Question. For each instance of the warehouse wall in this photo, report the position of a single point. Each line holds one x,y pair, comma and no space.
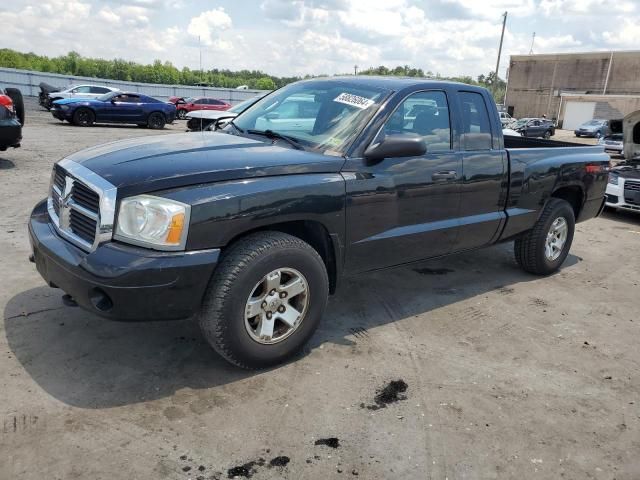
607,107
536,81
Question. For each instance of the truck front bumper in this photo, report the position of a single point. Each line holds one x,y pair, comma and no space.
119,281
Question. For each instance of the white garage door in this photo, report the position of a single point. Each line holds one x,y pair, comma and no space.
576,113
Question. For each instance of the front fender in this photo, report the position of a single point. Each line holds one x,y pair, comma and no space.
222,211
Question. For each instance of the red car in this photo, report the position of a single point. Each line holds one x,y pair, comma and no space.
200,103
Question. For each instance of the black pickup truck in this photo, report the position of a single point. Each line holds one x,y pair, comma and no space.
249,229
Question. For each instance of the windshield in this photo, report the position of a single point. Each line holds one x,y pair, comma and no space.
318,114
242,106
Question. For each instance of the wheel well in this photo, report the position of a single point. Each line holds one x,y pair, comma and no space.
315,234
573,195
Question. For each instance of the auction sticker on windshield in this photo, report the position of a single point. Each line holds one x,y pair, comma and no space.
354,100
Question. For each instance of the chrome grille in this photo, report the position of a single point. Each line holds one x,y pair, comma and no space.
632,192
635,186
81,205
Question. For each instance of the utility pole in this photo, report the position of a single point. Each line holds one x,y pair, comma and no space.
200,49
504,24
533,39
355,69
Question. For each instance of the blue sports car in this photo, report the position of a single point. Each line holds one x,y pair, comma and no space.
115,107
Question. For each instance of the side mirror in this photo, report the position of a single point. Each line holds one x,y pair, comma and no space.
397,145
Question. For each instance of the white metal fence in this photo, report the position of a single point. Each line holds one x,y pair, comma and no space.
27,81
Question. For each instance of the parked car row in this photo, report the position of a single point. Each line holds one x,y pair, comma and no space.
85,105
115,107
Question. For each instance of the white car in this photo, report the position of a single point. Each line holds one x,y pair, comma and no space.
81,91
505,118
623,189
203,119
511,132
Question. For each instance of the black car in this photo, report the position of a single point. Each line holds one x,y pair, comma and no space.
11,118
535,127
251,227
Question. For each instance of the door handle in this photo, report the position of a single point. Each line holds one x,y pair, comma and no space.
441,176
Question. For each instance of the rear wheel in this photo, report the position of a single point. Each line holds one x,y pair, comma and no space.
265,300
547,135
182,113
156,121
545,247
18,103
83,117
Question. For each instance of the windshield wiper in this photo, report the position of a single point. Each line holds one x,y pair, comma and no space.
271,134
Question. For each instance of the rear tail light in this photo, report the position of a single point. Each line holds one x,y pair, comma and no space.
597,168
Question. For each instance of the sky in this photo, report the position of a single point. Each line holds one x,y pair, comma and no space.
300,37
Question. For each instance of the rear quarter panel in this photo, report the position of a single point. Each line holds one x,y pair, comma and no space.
536,173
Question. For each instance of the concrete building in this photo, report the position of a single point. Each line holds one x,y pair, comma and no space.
574,87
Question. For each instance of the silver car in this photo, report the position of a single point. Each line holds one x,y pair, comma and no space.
612,143
81,91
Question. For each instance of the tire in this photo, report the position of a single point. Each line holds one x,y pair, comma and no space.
577,135
598,134
547,135
182,113
83,117
156,121
239,276
18,102
531,249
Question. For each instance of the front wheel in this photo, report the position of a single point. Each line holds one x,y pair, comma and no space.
265,300
156,121
547,135
83,117
182,113
545,247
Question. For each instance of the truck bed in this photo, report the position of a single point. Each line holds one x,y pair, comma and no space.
511,141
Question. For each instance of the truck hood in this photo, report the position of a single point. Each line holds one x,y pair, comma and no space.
142,165
630,170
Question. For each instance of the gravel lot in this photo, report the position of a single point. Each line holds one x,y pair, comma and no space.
508,375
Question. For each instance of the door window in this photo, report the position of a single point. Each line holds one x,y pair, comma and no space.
83,89
425,114
476,127
99,90
128,98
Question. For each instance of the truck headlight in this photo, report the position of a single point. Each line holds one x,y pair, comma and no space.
153,222
613,179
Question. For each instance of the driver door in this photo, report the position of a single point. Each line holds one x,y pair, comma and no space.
401,210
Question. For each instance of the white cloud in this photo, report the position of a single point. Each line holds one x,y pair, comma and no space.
298,37
626,35
208,24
